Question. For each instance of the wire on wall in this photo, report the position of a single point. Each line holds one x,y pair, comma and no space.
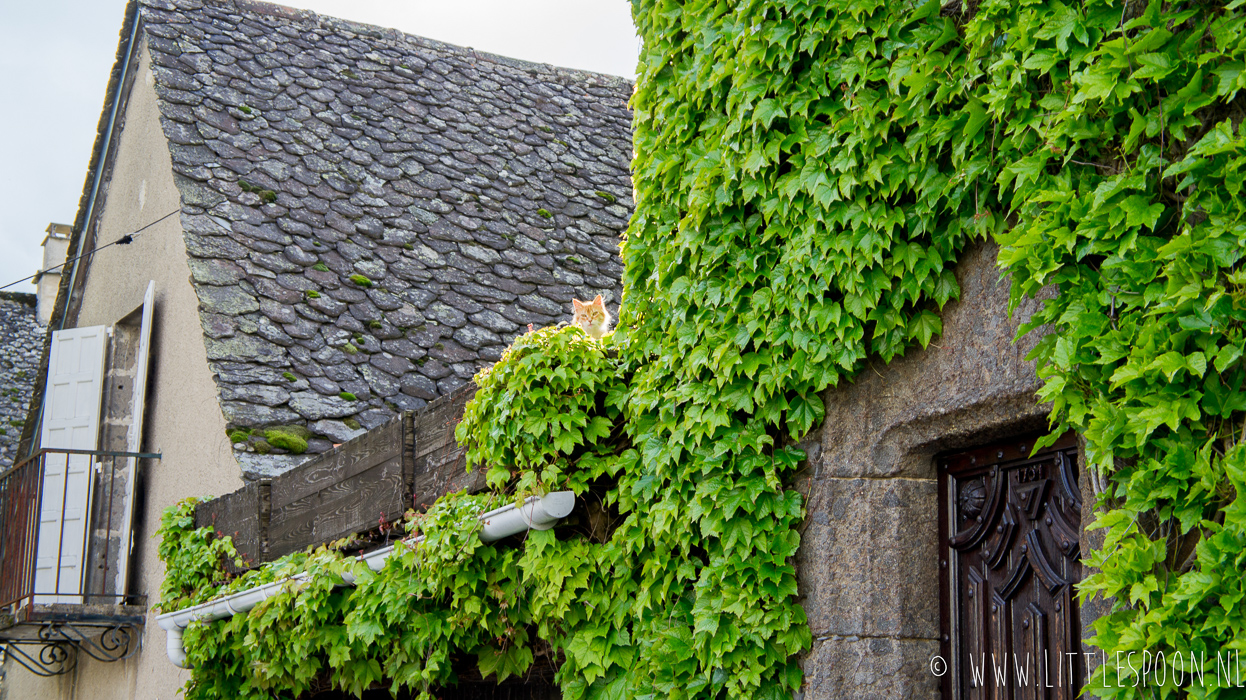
124,240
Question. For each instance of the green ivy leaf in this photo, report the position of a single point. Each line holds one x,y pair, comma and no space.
768,110
925,326
1140,212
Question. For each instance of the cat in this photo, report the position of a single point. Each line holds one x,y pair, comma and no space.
591,316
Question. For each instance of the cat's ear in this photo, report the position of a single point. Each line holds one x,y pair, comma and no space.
577,304
598,301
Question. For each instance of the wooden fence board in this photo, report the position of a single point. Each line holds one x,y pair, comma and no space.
409,462
242,515
342,462
341,509
440,464
340,492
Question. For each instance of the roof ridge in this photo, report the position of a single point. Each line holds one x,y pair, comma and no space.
273,9
26,298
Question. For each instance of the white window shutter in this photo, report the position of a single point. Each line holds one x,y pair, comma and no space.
134,436
71,416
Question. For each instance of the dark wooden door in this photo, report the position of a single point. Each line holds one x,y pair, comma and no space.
1010,525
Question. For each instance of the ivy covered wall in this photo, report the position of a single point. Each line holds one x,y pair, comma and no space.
807,174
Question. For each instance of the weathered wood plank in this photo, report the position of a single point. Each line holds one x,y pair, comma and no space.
439,463
353,505
340,463
242,515
410,461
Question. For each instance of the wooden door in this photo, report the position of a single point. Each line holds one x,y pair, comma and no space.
1010,526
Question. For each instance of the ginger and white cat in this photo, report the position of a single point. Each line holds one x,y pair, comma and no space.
592,316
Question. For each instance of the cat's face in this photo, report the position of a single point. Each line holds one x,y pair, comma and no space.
589,312
591,316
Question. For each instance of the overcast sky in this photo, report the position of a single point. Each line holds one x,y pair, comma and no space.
55,56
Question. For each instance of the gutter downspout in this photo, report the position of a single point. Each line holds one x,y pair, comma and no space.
536,513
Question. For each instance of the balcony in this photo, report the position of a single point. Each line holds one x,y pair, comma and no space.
65,542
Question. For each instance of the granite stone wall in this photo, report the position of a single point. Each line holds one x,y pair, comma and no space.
868,564
21,344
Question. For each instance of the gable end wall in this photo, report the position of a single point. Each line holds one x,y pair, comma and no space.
183,416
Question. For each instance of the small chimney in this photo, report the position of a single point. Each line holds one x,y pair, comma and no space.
47,284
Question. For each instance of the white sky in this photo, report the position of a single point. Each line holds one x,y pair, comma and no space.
55,56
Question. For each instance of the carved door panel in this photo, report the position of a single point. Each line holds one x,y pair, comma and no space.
1010,525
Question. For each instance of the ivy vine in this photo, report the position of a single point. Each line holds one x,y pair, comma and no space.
1127,187
193,558
806,172
806,176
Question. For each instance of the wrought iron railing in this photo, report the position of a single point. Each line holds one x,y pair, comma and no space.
24,522
46,620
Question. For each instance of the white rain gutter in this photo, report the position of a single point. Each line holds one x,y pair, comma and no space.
536,513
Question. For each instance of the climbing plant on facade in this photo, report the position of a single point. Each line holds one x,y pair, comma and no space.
806,172
1128,200
451,595
806,175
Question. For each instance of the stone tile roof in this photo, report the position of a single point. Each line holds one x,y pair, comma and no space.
21,348
375,214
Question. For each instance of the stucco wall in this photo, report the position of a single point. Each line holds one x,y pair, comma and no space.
868,564
183,418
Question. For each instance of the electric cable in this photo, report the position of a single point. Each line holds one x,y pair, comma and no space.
124,240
